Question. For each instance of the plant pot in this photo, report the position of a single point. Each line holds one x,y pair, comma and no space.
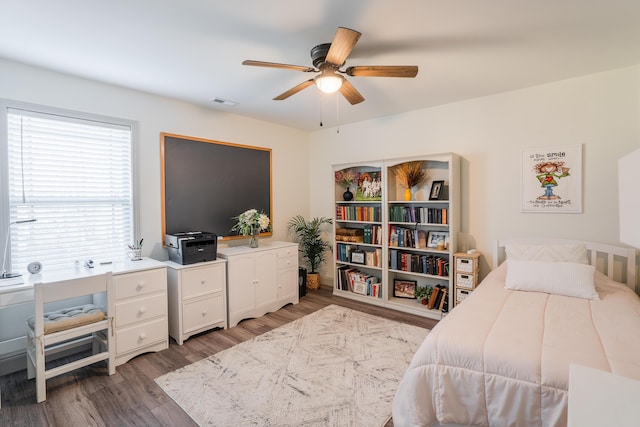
313,280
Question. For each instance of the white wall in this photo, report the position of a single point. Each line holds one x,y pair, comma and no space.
600,111
156,114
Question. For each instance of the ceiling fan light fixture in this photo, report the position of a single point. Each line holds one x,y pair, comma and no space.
329,82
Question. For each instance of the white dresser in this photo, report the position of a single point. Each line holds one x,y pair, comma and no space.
197,298
260,280
140,289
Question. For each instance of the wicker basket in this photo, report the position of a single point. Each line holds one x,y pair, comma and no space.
313,280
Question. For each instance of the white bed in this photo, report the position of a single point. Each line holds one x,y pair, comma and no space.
501,358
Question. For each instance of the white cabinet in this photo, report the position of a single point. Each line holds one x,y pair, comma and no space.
140,308
197,298
287,276
260,280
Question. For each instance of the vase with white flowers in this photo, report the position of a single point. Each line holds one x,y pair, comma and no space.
251,222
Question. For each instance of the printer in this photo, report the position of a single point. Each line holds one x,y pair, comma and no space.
192,246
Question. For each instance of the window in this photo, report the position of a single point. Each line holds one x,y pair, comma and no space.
71,173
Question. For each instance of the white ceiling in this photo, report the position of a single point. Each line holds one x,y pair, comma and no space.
193,49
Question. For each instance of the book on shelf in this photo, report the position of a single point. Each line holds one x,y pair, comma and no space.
420,239
418,215
353,280
393,259
432,299
393,236
438,301
439,298
344,231
372,234
358,213
444,300
349,239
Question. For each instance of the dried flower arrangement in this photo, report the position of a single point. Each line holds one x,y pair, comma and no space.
347,178
410,174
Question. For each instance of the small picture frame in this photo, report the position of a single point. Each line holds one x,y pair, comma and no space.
436,190
360,288
404,288
357,257
435,237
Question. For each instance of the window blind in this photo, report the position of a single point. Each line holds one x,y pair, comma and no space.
74,177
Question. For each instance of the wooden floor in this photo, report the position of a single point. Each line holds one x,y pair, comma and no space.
89,397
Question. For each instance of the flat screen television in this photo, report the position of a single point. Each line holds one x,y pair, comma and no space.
205,183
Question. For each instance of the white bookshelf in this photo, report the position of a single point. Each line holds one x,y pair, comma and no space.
442,167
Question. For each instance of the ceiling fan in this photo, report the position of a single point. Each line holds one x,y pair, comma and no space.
327,59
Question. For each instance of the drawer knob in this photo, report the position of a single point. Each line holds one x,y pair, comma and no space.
142,336
142,310
203,282
140,285
204,313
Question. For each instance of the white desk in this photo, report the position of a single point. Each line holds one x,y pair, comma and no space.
23,293
141,304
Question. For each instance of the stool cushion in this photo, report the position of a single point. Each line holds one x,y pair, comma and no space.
68,318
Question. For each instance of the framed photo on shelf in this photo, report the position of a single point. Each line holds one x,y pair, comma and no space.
404,288
369,186
435,237
360,288
436,190
357,257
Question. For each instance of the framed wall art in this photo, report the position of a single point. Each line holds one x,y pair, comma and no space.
552,179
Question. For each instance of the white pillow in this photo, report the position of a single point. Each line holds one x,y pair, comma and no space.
561,278
570,252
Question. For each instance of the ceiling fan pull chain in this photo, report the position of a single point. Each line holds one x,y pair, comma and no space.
337,114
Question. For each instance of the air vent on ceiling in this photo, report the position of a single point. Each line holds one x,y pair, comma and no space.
223,102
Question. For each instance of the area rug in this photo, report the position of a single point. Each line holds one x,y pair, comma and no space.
334,367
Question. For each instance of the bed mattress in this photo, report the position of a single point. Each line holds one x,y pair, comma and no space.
502,357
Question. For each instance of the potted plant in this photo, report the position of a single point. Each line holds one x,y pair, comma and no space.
311,245
422,294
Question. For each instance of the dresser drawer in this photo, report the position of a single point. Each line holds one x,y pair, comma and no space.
140,309
140,283
203,312
467,281
202,281
466,265
287,252
290,261
134,337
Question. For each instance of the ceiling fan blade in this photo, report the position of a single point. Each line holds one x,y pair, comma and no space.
293,90
350,93
342,45
383,71
276,65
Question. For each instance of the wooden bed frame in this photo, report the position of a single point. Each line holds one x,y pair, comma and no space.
618,263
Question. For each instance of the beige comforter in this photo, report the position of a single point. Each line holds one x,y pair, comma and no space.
502,357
